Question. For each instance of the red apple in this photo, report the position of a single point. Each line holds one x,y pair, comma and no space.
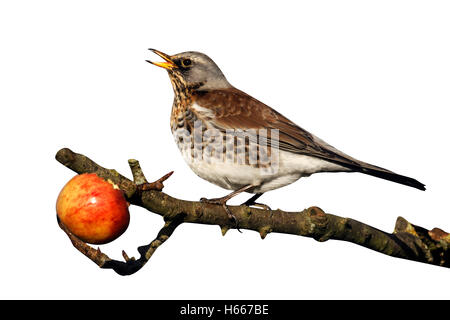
93,209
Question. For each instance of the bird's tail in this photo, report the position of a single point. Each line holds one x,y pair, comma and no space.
367,168
359,166
391,176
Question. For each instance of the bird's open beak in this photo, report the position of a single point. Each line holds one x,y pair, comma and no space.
167,64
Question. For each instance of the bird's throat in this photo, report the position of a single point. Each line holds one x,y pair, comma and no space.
179,85
182,100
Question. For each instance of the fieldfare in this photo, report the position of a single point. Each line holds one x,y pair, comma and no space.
237,142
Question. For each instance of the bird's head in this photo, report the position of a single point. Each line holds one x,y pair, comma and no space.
192,70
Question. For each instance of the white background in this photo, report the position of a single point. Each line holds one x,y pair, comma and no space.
369,77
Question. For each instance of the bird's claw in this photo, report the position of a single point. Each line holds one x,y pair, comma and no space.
220,201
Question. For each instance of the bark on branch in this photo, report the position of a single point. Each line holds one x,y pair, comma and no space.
407,241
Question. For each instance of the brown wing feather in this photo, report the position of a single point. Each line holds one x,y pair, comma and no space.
234,109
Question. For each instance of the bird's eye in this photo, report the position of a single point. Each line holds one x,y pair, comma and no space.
186,63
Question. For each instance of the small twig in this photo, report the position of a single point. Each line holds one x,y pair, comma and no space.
132,265
138,175
126,258
157,185
94,254
82,164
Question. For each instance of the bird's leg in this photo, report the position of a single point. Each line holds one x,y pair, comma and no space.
251,202
223,202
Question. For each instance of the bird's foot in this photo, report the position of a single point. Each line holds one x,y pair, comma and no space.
223,203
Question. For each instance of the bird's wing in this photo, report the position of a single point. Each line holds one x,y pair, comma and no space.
233,109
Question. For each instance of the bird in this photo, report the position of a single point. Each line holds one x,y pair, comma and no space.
250,146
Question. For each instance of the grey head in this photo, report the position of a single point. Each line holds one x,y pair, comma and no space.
195,69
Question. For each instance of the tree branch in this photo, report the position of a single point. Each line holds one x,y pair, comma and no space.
407,241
